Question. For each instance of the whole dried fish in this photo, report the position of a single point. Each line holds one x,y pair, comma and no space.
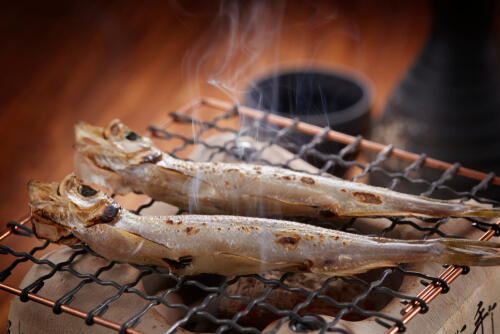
226,245
121,160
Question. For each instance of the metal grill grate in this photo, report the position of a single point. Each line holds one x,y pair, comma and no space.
358,159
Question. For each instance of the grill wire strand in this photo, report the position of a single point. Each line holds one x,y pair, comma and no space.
297,318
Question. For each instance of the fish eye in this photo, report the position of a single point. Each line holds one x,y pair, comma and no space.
131,135
87,191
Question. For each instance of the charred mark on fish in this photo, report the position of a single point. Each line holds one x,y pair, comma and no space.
307,180
152,158
288,242
368,198
109,214
191,230
182,263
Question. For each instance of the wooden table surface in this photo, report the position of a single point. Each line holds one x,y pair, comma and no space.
97,60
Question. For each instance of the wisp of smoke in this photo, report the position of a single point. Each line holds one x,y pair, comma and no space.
237,37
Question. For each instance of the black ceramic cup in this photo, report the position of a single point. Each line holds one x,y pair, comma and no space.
339,100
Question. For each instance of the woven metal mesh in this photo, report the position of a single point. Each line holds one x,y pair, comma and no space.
409,177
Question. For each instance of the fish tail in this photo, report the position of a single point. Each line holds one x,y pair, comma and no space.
402,204
468,252
482,212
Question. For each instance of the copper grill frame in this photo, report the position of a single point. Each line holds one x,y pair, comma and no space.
429,293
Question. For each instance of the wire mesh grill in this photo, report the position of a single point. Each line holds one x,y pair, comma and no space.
193,126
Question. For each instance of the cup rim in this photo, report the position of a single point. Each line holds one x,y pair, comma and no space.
356,110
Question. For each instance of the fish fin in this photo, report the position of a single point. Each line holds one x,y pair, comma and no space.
470,252
241,264
46,229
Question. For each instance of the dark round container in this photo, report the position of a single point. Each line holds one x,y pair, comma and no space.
339,100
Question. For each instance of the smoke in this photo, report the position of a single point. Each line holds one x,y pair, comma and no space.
244,38
235,41
224,55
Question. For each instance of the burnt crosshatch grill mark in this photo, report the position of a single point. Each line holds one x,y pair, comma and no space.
237,322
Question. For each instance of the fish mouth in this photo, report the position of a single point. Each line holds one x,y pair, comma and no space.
46,202
49,213
51,194
113,147
43,191
55,208
86,134
93,143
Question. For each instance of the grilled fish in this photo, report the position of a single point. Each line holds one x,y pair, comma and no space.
228,245
123,161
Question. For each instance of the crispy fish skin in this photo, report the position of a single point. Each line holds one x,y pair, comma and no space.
226,245
119,159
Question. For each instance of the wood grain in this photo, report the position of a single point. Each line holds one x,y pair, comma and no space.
98,60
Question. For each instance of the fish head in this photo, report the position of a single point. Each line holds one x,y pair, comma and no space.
57,209
114,147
